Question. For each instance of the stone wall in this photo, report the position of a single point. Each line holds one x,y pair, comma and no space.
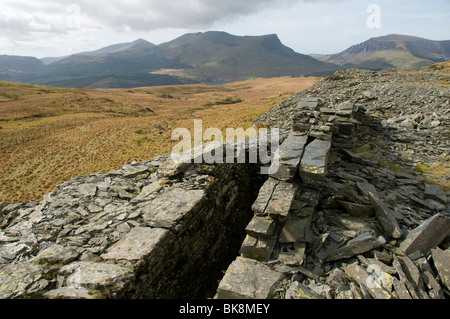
149,230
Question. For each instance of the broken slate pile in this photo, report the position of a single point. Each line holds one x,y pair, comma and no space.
348,227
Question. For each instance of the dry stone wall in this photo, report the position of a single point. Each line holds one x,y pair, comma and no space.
149,230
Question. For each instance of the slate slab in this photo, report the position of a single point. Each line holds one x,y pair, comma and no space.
385,216
169,208
284,167
137,244
248,279
441,260
358,245
428,235
313,166
282,199
264,196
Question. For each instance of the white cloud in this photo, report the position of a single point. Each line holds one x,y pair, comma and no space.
131,15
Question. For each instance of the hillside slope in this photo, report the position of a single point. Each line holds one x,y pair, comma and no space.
392,51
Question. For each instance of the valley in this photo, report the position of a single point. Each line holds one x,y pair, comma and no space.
48,134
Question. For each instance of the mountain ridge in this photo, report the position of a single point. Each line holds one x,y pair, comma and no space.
391,51
203,57
215,57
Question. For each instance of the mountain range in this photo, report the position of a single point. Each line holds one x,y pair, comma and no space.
213,57
391,51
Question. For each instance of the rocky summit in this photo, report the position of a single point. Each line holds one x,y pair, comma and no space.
357,209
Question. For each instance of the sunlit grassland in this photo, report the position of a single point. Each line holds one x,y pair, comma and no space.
48,135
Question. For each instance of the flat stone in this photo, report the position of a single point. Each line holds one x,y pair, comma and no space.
411,272
347,106
16,278
385,217
57,254
148,191
282,198
310,103
441,260
111,279
258,247
358,245
428,235
290,153
264,195
172,168
360,276
169,208
407,284
88,189
434,288
401,290
248,279
299,291
136,171
261,226
295,230
436,193
313,166
69,293
138,244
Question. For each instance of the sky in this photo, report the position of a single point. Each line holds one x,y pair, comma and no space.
48,28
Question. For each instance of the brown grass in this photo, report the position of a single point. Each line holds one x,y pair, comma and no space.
48,135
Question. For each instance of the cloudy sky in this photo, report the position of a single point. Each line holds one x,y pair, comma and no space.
56,28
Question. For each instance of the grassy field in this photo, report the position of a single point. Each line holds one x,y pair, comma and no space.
48,135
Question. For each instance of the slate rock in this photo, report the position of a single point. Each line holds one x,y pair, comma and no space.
435,192
15,279
57,254
69,293
138,244
261,226
282,198
362,243
295,230
299,291
248,279
441,260
385,217
364,279
264,196
108,278
428,235
284,167
168,209
258,247
313,166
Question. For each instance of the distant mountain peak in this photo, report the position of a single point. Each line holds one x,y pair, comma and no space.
391,51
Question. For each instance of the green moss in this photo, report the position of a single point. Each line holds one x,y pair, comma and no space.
392,166
96,294
422,168
363,150
254,257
